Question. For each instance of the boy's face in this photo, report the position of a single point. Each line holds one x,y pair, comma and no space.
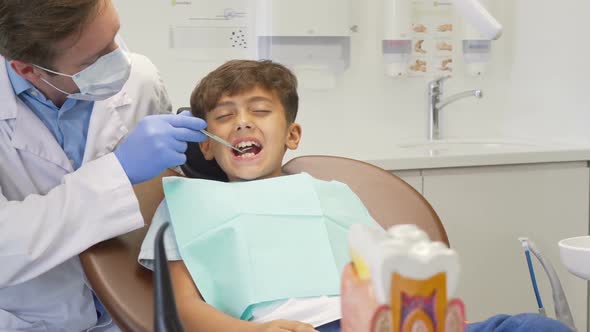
254,122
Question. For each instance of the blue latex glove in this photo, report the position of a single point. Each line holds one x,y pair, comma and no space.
157,143
518,323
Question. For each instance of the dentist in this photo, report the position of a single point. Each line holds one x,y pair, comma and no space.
81,121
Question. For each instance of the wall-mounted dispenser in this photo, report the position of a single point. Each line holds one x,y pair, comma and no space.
397,37
476,55
307,35
479,29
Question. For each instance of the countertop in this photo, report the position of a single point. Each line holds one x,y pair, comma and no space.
454,153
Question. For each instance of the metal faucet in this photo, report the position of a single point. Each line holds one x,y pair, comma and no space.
435,105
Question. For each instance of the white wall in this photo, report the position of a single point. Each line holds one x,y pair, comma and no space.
365,114
537,85
548,76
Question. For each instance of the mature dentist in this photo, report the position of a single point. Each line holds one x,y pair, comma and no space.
81,121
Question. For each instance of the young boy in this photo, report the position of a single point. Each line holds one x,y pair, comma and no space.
253,105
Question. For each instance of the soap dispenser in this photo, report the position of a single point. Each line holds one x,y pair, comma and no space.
397,37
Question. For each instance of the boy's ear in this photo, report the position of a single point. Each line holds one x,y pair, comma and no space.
205,147
293,136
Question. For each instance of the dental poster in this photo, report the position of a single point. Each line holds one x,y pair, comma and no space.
432,42
209,30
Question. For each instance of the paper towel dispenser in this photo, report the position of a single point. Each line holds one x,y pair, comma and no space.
304,33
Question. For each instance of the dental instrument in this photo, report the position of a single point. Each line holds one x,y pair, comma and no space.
220,140
208,134
562,308
529,262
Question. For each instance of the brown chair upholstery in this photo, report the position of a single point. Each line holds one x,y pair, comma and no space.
125,288
388,198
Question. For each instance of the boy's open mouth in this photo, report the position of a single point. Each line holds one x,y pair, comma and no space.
249,148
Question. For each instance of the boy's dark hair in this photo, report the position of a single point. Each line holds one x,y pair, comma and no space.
30,29
237,76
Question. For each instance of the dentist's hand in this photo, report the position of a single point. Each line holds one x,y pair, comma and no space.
157,143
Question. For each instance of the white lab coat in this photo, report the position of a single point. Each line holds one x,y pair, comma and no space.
49,214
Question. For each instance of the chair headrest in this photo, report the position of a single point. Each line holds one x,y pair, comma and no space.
197,166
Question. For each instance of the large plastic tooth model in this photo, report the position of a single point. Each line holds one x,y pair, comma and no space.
400,281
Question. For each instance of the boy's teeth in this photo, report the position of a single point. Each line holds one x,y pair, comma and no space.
247,155
245,144
404,249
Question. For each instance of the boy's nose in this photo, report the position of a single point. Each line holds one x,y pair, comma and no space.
241,126
244,122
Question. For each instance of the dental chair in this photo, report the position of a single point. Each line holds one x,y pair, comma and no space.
125,288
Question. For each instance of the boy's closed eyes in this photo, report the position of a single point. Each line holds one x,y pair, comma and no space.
260,106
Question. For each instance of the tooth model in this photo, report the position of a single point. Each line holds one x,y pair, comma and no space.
399,281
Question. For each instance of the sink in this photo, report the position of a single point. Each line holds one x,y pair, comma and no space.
575,255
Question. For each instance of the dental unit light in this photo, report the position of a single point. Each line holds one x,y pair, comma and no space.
397,36
478,16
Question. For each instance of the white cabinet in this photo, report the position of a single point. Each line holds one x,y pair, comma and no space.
485,210
413,178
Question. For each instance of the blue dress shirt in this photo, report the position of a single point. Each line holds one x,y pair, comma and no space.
68,124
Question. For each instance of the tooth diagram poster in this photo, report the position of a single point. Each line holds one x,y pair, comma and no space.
432,42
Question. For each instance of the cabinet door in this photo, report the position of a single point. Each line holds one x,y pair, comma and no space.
413,178
486,209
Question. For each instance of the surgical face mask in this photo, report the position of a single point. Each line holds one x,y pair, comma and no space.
101,80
